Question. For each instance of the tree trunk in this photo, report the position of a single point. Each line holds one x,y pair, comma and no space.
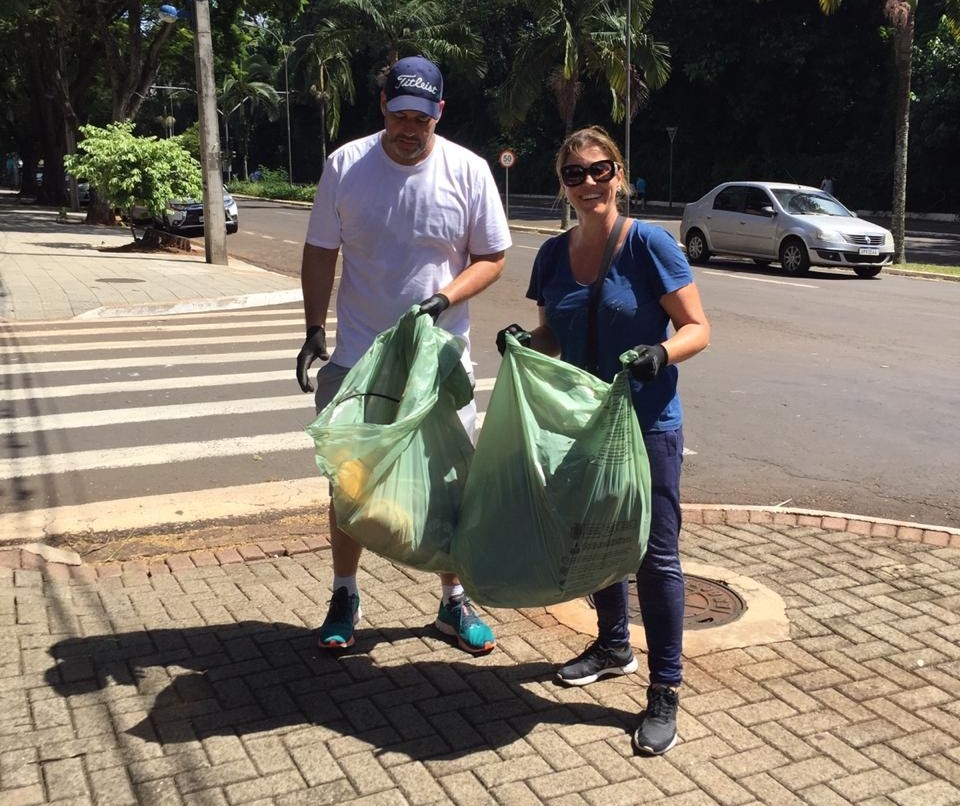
902,16
99,212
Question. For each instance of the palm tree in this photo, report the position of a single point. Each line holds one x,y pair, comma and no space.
247,86
406,27
573,40
901,15
326,69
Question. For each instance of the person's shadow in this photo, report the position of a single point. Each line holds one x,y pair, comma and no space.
258,676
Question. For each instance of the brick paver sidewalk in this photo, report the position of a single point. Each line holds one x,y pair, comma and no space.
197,680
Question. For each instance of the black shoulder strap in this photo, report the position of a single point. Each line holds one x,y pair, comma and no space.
595,288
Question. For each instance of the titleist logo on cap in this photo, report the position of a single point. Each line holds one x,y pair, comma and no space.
411,81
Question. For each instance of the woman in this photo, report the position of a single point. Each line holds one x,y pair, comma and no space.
648,287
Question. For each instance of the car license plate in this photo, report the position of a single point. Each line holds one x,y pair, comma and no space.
869,250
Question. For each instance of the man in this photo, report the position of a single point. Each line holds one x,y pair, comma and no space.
419,220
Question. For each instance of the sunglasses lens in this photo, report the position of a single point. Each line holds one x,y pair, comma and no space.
573,175
600,171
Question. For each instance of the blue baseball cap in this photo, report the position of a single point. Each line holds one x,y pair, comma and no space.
414,84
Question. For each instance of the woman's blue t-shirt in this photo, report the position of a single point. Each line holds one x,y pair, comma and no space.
649,265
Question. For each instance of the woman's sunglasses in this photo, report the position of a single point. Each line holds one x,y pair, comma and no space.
599,171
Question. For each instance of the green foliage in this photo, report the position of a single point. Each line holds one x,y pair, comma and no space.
273,185
129,171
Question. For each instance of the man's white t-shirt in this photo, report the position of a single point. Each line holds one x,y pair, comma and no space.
404,232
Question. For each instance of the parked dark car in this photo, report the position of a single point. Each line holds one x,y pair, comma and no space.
185,216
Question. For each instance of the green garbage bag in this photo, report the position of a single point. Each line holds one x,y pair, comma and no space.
393,447
557,502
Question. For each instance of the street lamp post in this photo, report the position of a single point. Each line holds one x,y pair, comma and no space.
671,133
286,48
626,112
214,217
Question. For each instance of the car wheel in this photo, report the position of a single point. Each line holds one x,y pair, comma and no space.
793,256
697,250
232,228
867,272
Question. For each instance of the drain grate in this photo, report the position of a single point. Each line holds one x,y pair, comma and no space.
707,603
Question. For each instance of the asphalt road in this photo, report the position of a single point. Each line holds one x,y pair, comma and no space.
824,392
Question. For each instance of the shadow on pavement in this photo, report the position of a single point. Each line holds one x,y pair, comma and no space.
259,676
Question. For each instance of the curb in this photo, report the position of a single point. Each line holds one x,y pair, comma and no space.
721,514
195,305
66,564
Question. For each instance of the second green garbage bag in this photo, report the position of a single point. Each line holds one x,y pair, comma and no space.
393,447
557,500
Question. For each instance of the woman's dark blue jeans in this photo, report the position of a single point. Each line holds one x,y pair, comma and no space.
660,578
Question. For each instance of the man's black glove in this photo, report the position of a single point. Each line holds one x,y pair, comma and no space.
313,348
521,335
649,361
434,306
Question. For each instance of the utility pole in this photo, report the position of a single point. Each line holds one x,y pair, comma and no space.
214,217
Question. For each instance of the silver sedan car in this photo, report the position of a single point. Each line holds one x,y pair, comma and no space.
793,225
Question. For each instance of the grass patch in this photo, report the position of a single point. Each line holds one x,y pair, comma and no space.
927,268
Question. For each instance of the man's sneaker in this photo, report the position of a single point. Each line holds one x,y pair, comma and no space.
457,618
657,731
344,613
597,661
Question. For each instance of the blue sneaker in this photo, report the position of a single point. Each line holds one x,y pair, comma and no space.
456,618
343,615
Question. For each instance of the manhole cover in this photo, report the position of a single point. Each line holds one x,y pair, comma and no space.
120,280
707,603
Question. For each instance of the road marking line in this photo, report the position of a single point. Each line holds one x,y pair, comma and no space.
758,279
87,364
150,344
295,318
143,385
67,421
147,455
178,319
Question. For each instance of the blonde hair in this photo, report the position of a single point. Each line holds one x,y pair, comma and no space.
584,138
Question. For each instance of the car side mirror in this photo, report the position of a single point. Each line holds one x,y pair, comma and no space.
768,210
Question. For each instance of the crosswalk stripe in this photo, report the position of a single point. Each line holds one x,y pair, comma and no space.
142,362
140,385
146,455
174,320
295,318
150,344
63,421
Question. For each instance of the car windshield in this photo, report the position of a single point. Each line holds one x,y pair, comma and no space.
800,202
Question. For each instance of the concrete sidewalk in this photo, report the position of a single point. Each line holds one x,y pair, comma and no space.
53,270
193,677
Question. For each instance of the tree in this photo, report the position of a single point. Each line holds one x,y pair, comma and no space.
400,28
128,171
248,86
328,70
901,15
572,40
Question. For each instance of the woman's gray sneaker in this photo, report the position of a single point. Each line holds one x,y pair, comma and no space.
657,731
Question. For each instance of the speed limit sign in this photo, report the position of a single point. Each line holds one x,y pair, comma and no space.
507,158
